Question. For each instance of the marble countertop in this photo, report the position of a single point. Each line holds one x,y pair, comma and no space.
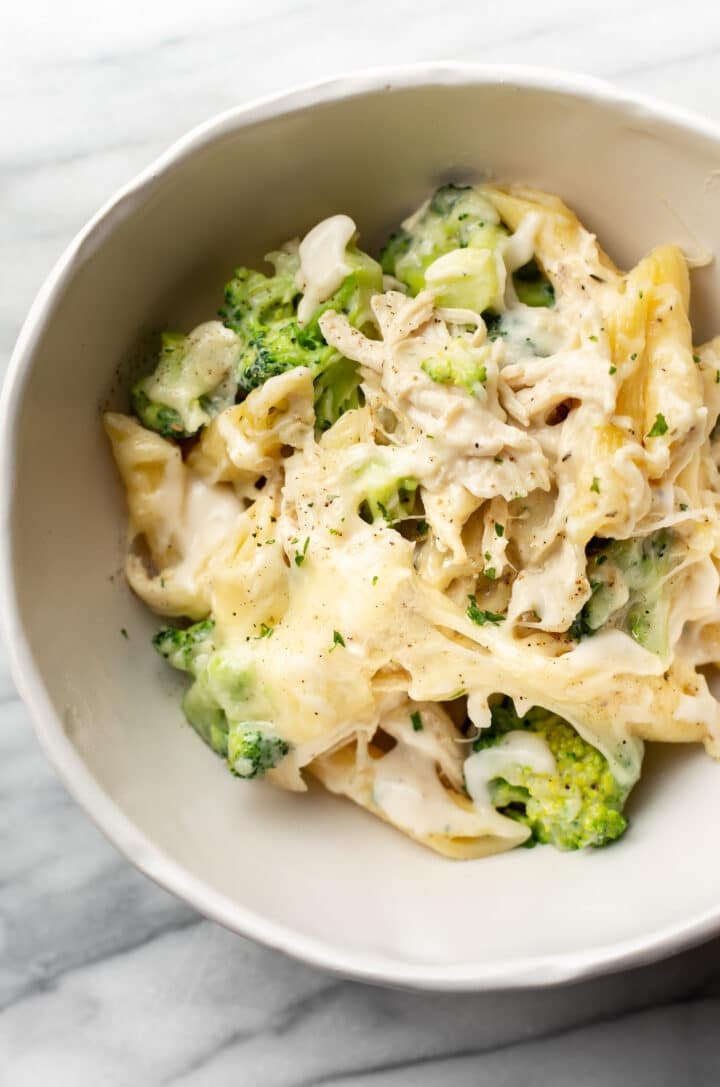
104,978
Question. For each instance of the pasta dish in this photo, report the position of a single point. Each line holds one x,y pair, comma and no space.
439,530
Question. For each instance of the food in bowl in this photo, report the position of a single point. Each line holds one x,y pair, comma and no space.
439,529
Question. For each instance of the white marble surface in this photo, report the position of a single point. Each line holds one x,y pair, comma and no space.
105,979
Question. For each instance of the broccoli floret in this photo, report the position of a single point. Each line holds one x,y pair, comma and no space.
396,248
206,717
354,293
337,390
445,199
249,751
263,312
273,350
460,226
187,649
578,806
458,364
337,384
466,278
381,495
532,286
253,751
193,381
256,300
190,650
629,580
151,413
221,689
455,219
158,417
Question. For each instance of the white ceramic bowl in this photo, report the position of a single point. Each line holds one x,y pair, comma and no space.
312,875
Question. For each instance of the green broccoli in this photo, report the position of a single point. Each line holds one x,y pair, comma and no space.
253,299
578,806
253,751
158,417
337,390
193,381
207,718
352,297
273,350
458,364
188,648
382,494
629,582
532,286
221,689
262,310
461,226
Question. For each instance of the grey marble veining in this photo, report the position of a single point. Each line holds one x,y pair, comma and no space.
104,978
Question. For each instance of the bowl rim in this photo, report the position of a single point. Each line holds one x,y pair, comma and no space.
528,972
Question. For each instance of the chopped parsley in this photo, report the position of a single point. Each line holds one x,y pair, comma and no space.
612,370
595,485
696,359
499,529
417,723
480,617
124,632
300,557
489,572
265,631
683,506
659,427
337,640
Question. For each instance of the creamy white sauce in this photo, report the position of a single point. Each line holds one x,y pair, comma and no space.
519,248
209,518
211,351
322,262
409,792
518,750
611,651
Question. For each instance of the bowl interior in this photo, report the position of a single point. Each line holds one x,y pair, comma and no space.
312,872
